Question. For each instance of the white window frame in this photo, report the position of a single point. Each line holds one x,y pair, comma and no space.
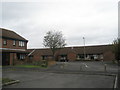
5,42
101,56
22,56
21,43
14,42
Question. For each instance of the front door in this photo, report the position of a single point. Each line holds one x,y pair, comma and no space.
5,58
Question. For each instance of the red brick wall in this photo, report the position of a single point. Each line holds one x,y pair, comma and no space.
71,56
10,44
13,56
37,56
108,56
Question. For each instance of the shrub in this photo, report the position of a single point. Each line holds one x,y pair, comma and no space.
44,63
38,63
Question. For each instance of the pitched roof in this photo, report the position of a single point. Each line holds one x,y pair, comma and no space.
77,50
88,49
10,34
40,51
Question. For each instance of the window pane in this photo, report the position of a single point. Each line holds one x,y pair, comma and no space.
19,43
21,56
14,42
23,43
5,42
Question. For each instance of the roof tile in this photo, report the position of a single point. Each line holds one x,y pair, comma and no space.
10,34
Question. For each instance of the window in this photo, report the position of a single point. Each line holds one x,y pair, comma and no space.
63,57
21,56
101,56
21,43
14,42
44,57
31,57
95,56
5,42
80,56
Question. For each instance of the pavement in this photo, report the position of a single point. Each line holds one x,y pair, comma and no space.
65,75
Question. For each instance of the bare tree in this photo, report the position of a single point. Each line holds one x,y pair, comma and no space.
54,40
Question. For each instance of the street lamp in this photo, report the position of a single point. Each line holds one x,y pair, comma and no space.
84,47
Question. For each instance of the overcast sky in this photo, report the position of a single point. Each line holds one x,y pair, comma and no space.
96,20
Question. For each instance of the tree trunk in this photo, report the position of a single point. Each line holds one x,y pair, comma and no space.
53,51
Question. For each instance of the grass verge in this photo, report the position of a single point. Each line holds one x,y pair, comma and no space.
30,66
6,80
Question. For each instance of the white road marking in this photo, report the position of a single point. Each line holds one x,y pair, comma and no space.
85,65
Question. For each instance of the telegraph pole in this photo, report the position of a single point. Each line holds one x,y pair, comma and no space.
84,47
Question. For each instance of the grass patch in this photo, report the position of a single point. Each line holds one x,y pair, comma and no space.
30,66
6,80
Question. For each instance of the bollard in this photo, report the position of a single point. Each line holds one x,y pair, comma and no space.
105,67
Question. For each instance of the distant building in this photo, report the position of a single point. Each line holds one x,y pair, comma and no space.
13,47
99,52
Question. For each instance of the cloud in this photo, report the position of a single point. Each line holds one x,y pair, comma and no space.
95,19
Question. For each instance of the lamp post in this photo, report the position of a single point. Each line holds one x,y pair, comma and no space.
84,47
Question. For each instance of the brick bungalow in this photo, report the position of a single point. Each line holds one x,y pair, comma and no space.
98,52
13,47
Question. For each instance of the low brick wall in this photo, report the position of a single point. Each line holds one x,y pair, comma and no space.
18,62
51,62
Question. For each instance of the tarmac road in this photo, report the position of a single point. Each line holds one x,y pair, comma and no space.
50,78
31,79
